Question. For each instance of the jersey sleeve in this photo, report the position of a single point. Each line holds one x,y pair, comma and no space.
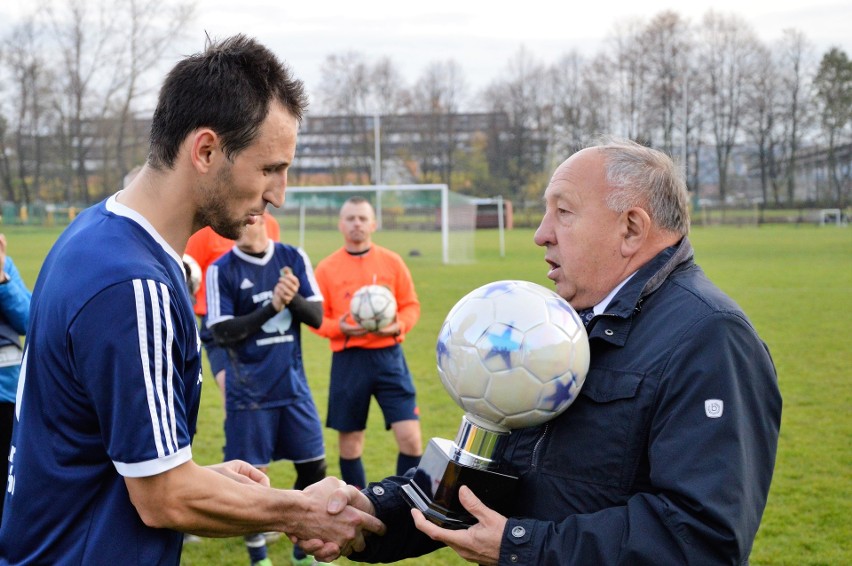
127,348
308,286
220,303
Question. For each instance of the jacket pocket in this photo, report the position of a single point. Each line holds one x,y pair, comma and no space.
597,438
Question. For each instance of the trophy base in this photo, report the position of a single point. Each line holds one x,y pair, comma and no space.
436,482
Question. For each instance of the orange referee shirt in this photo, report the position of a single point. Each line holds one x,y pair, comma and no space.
341,274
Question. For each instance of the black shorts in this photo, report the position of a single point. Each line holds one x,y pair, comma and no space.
358,374
262,436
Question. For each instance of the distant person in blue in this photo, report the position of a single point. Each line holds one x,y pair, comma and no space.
14,317
667,454
101,468
258,296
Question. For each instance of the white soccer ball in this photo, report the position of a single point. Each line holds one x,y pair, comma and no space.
373,307
513,353
193,273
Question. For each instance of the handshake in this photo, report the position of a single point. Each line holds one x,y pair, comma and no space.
335,520
329,518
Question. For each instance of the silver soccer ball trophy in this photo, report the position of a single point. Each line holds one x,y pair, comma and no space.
512,354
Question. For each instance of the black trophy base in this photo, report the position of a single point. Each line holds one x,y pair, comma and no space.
434,489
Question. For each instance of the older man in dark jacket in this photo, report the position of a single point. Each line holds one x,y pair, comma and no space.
667,455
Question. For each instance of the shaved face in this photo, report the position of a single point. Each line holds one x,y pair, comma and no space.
357,224
581,236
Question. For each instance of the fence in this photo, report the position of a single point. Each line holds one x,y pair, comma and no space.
524,215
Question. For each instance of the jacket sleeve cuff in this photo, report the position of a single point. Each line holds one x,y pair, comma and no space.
519,544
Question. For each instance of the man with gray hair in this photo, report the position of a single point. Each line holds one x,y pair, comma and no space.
666,457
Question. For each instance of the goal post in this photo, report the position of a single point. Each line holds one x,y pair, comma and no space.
441,215
832,216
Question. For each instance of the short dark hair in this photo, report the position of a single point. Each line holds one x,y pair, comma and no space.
227,88
357,199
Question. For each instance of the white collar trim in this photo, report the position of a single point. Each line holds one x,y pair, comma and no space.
115,207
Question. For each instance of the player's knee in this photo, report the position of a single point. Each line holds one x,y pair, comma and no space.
408,437
351,444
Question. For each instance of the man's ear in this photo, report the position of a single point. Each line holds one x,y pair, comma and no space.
203,147
636,224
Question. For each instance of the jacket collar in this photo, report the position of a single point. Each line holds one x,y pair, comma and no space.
613,325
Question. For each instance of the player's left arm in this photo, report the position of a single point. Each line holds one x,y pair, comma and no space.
226,328
234,330
307,305
14,298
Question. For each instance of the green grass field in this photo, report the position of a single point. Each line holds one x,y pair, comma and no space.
795,283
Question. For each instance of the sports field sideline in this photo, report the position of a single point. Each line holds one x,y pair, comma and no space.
794,282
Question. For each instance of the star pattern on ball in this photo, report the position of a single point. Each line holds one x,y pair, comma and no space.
499,287
442,350
564,306
562,394
503,345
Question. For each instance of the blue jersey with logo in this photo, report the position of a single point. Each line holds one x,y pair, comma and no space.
110,385
265,370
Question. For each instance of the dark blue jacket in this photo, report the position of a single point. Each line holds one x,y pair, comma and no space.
667,455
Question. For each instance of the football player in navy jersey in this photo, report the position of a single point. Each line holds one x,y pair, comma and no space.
258,295
100,466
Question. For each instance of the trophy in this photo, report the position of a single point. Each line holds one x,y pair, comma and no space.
512,354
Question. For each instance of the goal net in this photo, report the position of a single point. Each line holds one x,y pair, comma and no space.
411,219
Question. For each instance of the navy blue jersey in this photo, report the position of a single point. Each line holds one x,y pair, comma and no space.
109,387
265,370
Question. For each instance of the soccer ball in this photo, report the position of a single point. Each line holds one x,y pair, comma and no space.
513,353
193,273
373,307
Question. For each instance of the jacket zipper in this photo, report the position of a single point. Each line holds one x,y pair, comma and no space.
534,458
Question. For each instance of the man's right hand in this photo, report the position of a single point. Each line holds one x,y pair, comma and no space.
337,521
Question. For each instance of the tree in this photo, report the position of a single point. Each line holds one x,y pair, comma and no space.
347,91
81,40
729,55
760,120
570,108
30,80
794,64
516,158
436,102
833,84
629,72
150,28
388,92
666,44
78,69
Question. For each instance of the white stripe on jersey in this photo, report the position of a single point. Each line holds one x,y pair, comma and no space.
167,308
22,377
142,331
309,271
158,361
163,421
214,307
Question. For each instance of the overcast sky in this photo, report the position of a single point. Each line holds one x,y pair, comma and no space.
483,35
480,35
